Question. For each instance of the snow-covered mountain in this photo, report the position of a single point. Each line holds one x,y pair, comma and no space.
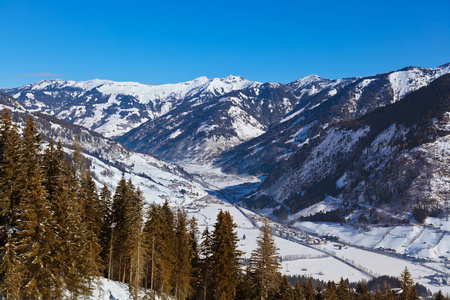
113,108
376,168
322,103
109,160
196,133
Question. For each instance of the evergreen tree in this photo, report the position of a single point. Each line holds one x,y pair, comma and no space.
183,254
135,216
120,252
206,264
167,249
12,176
127,243
73,259
298,291
106,229
319,292
330,291
152,235
11,190
10,268
407,284
245,288
285,291
343,291
308,290
439,296
264,263
195,259
36,243
226,257
361,292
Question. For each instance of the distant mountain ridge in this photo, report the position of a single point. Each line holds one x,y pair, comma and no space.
113,108
249,126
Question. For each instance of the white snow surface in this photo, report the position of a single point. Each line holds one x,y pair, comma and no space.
404,82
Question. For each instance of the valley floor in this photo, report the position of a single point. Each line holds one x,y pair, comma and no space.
311,249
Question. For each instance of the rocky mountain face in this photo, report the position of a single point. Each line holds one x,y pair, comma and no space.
373,169
322,103
201,132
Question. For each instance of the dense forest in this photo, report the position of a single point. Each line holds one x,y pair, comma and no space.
58,234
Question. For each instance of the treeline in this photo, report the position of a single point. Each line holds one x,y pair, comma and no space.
51,217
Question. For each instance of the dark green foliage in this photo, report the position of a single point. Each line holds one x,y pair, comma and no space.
329,216
225,256
420,213
264,264
439,296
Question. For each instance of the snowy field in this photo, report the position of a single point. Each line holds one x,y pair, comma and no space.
416,241
297,257
148,174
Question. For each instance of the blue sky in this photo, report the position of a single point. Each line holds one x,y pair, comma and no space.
173,41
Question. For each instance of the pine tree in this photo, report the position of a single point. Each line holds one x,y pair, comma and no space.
105,239
264,263
298,291
226,257
195,259
11,189
319,292
330,291
120,251
92,213
361,292
343,291
439,296
308,290
136,239
73,257
153,246
36,236
182,267
167,249
206,264
285,291
10,268
12,175
245,288
407,284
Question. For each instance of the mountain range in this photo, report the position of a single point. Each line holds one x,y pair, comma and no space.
360,144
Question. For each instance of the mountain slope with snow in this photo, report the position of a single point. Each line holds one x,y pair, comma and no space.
201,132
322,103
113,108
377,167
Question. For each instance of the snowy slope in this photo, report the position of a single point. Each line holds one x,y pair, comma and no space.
377,167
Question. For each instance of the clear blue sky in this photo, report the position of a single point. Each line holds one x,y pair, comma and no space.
168,41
